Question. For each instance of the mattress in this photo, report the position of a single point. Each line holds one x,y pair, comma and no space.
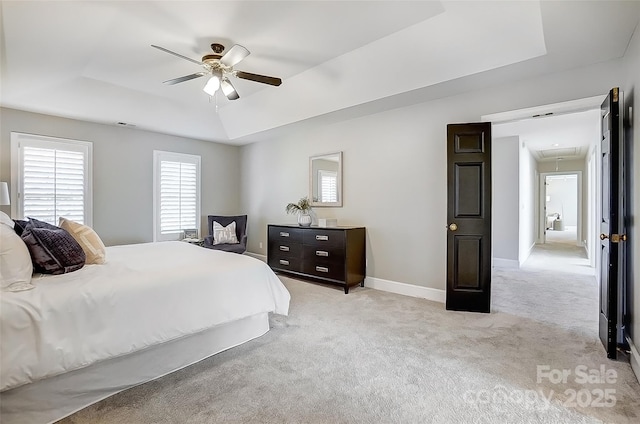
144,295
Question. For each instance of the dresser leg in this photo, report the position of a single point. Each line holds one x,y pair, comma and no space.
362,283
346,289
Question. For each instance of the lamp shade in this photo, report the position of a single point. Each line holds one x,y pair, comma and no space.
4,194
212,86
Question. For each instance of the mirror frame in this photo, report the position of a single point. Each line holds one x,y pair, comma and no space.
339,182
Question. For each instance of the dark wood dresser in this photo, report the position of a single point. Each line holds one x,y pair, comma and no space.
334,255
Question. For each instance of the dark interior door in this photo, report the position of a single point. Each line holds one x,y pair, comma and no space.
469,217
612,225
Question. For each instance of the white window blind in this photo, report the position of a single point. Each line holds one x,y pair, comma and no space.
328,186
54,178
177,194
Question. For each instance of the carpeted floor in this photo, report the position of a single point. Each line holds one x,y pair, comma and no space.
377,357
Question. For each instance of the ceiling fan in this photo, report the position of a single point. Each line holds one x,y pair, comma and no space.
220,67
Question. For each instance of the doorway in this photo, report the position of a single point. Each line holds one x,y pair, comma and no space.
561,208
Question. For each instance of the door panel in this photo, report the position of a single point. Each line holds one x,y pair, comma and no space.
469,217
611,274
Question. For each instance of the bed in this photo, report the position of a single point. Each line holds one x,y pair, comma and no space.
149,310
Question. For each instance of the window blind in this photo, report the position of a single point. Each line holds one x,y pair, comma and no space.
54,178
328,186
176,194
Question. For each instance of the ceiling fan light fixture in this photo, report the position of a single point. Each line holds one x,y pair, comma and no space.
228,89
212,85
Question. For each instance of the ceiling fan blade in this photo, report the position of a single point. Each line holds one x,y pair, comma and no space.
259,78
234,55
229,90
177,54
185,78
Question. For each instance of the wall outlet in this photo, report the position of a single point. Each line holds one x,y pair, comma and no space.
260,245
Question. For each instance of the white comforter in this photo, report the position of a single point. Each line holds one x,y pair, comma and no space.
144,295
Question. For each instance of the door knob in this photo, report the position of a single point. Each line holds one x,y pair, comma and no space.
453,226
603,236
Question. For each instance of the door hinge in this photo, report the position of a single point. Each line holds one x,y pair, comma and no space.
617,238
615,94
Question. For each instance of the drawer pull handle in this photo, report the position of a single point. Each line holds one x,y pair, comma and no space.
321,253
283,234
322,269
283,262
284,248
323,238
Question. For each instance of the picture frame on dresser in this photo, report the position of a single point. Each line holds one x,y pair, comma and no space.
332,255
191,233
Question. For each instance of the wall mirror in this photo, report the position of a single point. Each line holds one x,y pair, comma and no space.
325,179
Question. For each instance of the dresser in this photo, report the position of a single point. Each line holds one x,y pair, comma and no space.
334,255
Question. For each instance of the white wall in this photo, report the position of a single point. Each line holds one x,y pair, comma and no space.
123,171
505,167
527,203
394,170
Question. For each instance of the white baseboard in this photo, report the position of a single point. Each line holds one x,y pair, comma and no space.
263,258
506,263
436,295
635,359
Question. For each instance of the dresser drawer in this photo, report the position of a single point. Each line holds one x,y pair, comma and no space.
293,235
285,263
324,239
285,248
322,253
325,269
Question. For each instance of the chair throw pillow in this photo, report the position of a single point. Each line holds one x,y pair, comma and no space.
15,261
224,235
87,238
53,250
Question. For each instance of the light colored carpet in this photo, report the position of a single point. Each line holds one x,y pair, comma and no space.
376,357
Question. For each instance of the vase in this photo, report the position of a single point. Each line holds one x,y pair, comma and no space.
304,220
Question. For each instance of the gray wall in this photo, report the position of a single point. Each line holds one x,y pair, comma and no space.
632,112
123,171
394,170
505,166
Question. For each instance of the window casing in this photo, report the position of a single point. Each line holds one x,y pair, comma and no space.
52,178
176,194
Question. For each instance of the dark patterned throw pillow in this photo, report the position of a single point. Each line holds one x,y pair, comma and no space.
53,250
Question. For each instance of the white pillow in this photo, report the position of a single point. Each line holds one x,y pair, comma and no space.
4,219
15,261
224,235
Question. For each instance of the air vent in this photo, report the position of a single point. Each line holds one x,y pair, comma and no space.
555,153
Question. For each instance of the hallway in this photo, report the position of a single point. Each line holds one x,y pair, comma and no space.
560,254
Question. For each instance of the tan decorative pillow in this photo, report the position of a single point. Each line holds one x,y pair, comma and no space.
87,238
224,235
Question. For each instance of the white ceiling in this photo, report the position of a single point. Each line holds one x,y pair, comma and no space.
93,61
565,136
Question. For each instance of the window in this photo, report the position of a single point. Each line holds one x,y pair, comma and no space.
176,194
328,181
52,178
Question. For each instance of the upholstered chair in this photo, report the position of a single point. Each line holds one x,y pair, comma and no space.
241,233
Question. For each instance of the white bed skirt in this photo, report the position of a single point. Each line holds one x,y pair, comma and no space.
54,398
